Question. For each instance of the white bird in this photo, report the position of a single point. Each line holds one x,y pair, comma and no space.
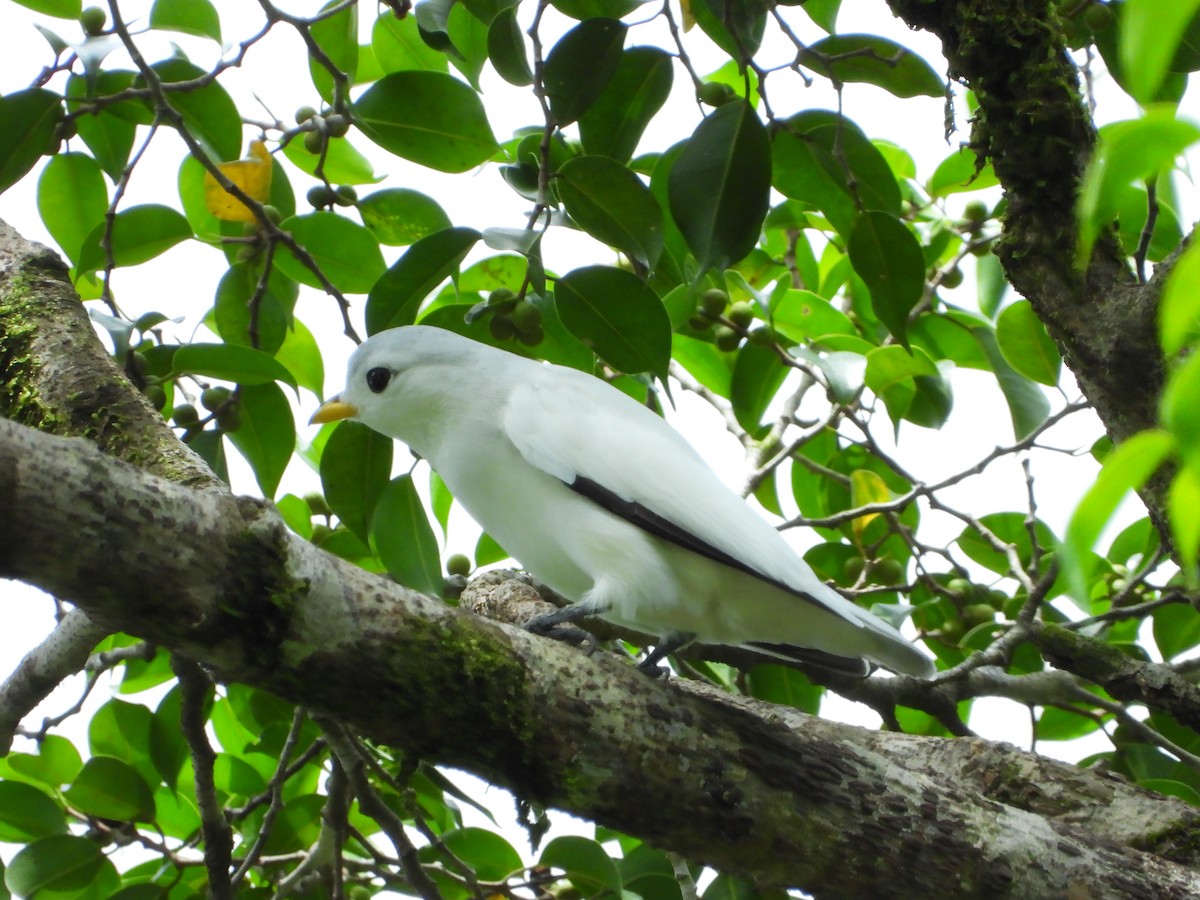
600,499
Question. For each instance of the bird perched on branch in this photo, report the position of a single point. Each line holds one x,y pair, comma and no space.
602,500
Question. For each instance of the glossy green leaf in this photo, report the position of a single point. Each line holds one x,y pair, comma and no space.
888,258
429,118
579,66
344,251
1128,151
1027,404
209,114
1055,724
337,36
399,292
72,199
506,49
1176,629
198,17
1125,470
398,46
1183,499
236,312
825,159
56,763
757,377
788,687
27,813
139,234
231,362
469,37
614,124
1151,32
612,204
1026,345
703,361
873,60
1179,312
30,118
805,316
403,539
823,12
585,863
992,284
618,316
300,354
111,789
343,164
356,466
488,854
1133,217
1180,403
62,865
61,9
945,338
960,171
267,434
590,9
737,28
401,216
720,185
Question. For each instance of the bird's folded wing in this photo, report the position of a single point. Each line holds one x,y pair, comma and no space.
618,453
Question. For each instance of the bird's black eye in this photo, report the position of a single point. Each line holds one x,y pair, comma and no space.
378,378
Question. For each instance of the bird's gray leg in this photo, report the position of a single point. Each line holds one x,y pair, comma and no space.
669,644
547,624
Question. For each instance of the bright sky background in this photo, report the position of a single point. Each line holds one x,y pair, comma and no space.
184,280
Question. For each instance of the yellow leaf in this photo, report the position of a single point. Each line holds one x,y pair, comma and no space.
866,487
252,175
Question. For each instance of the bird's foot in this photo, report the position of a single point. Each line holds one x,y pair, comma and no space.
669,644
554,625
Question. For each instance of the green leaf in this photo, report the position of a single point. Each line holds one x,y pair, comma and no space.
488,854
824,159
506,49
267,434
1026,345
1027,405
399,292
337,36
1180,402
1128,151
873,60
614,124
1056,724
757,377
403,539
300,354
60,9
737,28
111,789
579,66
1125,470
992,285
888,258
72,199
235,316
343,163
198,17
401,216
57,763
429,118
209,113
611,204
960,171
586,865
345,252
804,316
30,119
788,687
618,316
1179,312
356,466
720,185
398,46
1150,35
62,865
231,362
469,37
139,234
27,814
823,12
1183,500
1176,629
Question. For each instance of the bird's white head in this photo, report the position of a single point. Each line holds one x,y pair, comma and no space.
397,379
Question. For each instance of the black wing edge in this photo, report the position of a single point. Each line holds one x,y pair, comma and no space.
652,523
843,665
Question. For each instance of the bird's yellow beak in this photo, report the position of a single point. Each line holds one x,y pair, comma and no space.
332,410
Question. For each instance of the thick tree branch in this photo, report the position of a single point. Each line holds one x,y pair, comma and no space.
749,788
